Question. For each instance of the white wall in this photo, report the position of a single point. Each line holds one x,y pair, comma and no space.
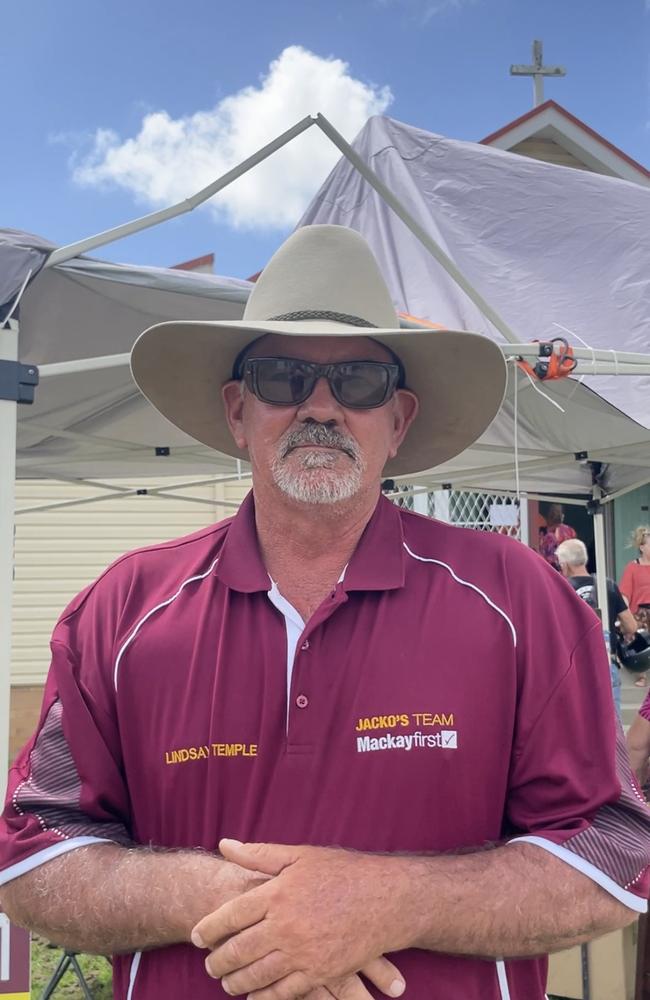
58,552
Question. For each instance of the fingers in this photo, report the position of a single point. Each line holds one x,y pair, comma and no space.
292,987
238,952
236,915
350,988
267,858
385,976
268,971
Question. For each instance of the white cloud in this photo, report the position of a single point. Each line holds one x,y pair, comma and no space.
171,159
440,6
423,11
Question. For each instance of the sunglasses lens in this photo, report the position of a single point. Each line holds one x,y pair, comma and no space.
283,381
358,385
361,384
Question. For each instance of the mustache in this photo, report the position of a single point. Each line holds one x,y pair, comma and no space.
319,434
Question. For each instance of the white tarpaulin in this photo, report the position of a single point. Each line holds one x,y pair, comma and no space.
543,244
95,423
549,248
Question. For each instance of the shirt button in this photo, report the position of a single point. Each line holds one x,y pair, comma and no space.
305,644
302,701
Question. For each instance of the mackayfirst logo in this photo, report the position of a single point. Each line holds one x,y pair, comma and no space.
445,739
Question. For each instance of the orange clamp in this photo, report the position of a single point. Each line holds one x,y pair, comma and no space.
555,360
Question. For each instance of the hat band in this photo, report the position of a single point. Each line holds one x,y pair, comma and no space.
334,317
302,314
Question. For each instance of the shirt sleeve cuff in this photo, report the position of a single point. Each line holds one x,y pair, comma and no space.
41,857
629,899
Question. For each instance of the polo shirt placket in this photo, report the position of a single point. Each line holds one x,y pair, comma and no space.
305,676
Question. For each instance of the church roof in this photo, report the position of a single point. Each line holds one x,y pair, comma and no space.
551,132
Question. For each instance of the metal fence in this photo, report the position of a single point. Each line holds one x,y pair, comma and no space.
480,511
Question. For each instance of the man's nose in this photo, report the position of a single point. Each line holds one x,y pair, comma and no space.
321,405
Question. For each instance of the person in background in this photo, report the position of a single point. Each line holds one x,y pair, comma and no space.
635,583
572,558
554,533
638,743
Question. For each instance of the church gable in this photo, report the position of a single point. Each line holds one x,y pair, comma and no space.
549,151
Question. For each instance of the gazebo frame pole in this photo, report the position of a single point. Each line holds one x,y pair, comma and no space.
601,561
8,422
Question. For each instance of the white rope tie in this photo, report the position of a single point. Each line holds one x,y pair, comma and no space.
581,379
545,395
610,350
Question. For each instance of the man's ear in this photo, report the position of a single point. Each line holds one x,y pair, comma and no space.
405,410
232,394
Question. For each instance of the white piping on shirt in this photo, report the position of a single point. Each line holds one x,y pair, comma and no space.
466,583
41,857
503,980
135,965
580,864
148,615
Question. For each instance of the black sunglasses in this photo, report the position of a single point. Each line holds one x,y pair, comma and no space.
358,385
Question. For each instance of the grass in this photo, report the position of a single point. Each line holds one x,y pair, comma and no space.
96,970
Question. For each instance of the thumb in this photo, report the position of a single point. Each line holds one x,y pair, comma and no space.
269,859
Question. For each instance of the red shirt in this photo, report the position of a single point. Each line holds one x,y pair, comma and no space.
452,691
635,584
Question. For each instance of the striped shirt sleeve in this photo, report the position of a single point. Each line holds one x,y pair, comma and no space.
572,789
66,788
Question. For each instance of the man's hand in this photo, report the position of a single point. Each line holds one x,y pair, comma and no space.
381,973
235,880
320,920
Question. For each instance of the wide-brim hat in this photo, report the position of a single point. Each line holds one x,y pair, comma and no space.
325,282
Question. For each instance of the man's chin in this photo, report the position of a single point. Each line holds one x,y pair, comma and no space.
318,486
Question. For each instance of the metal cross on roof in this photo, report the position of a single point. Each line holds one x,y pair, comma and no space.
538,72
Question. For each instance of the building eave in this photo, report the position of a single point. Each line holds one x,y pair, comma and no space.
551,120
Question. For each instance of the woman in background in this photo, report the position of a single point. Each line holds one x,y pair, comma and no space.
635,583
555,532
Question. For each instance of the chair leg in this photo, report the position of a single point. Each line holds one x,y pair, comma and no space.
56,977
67,960
80,976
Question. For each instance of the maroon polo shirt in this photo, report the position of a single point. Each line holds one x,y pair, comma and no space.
452,691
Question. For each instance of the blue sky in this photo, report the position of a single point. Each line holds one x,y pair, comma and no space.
111,110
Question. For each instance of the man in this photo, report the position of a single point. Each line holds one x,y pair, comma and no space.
296,676
572,558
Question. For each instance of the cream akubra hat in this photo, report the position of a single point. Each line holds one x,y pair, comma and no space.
325,282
